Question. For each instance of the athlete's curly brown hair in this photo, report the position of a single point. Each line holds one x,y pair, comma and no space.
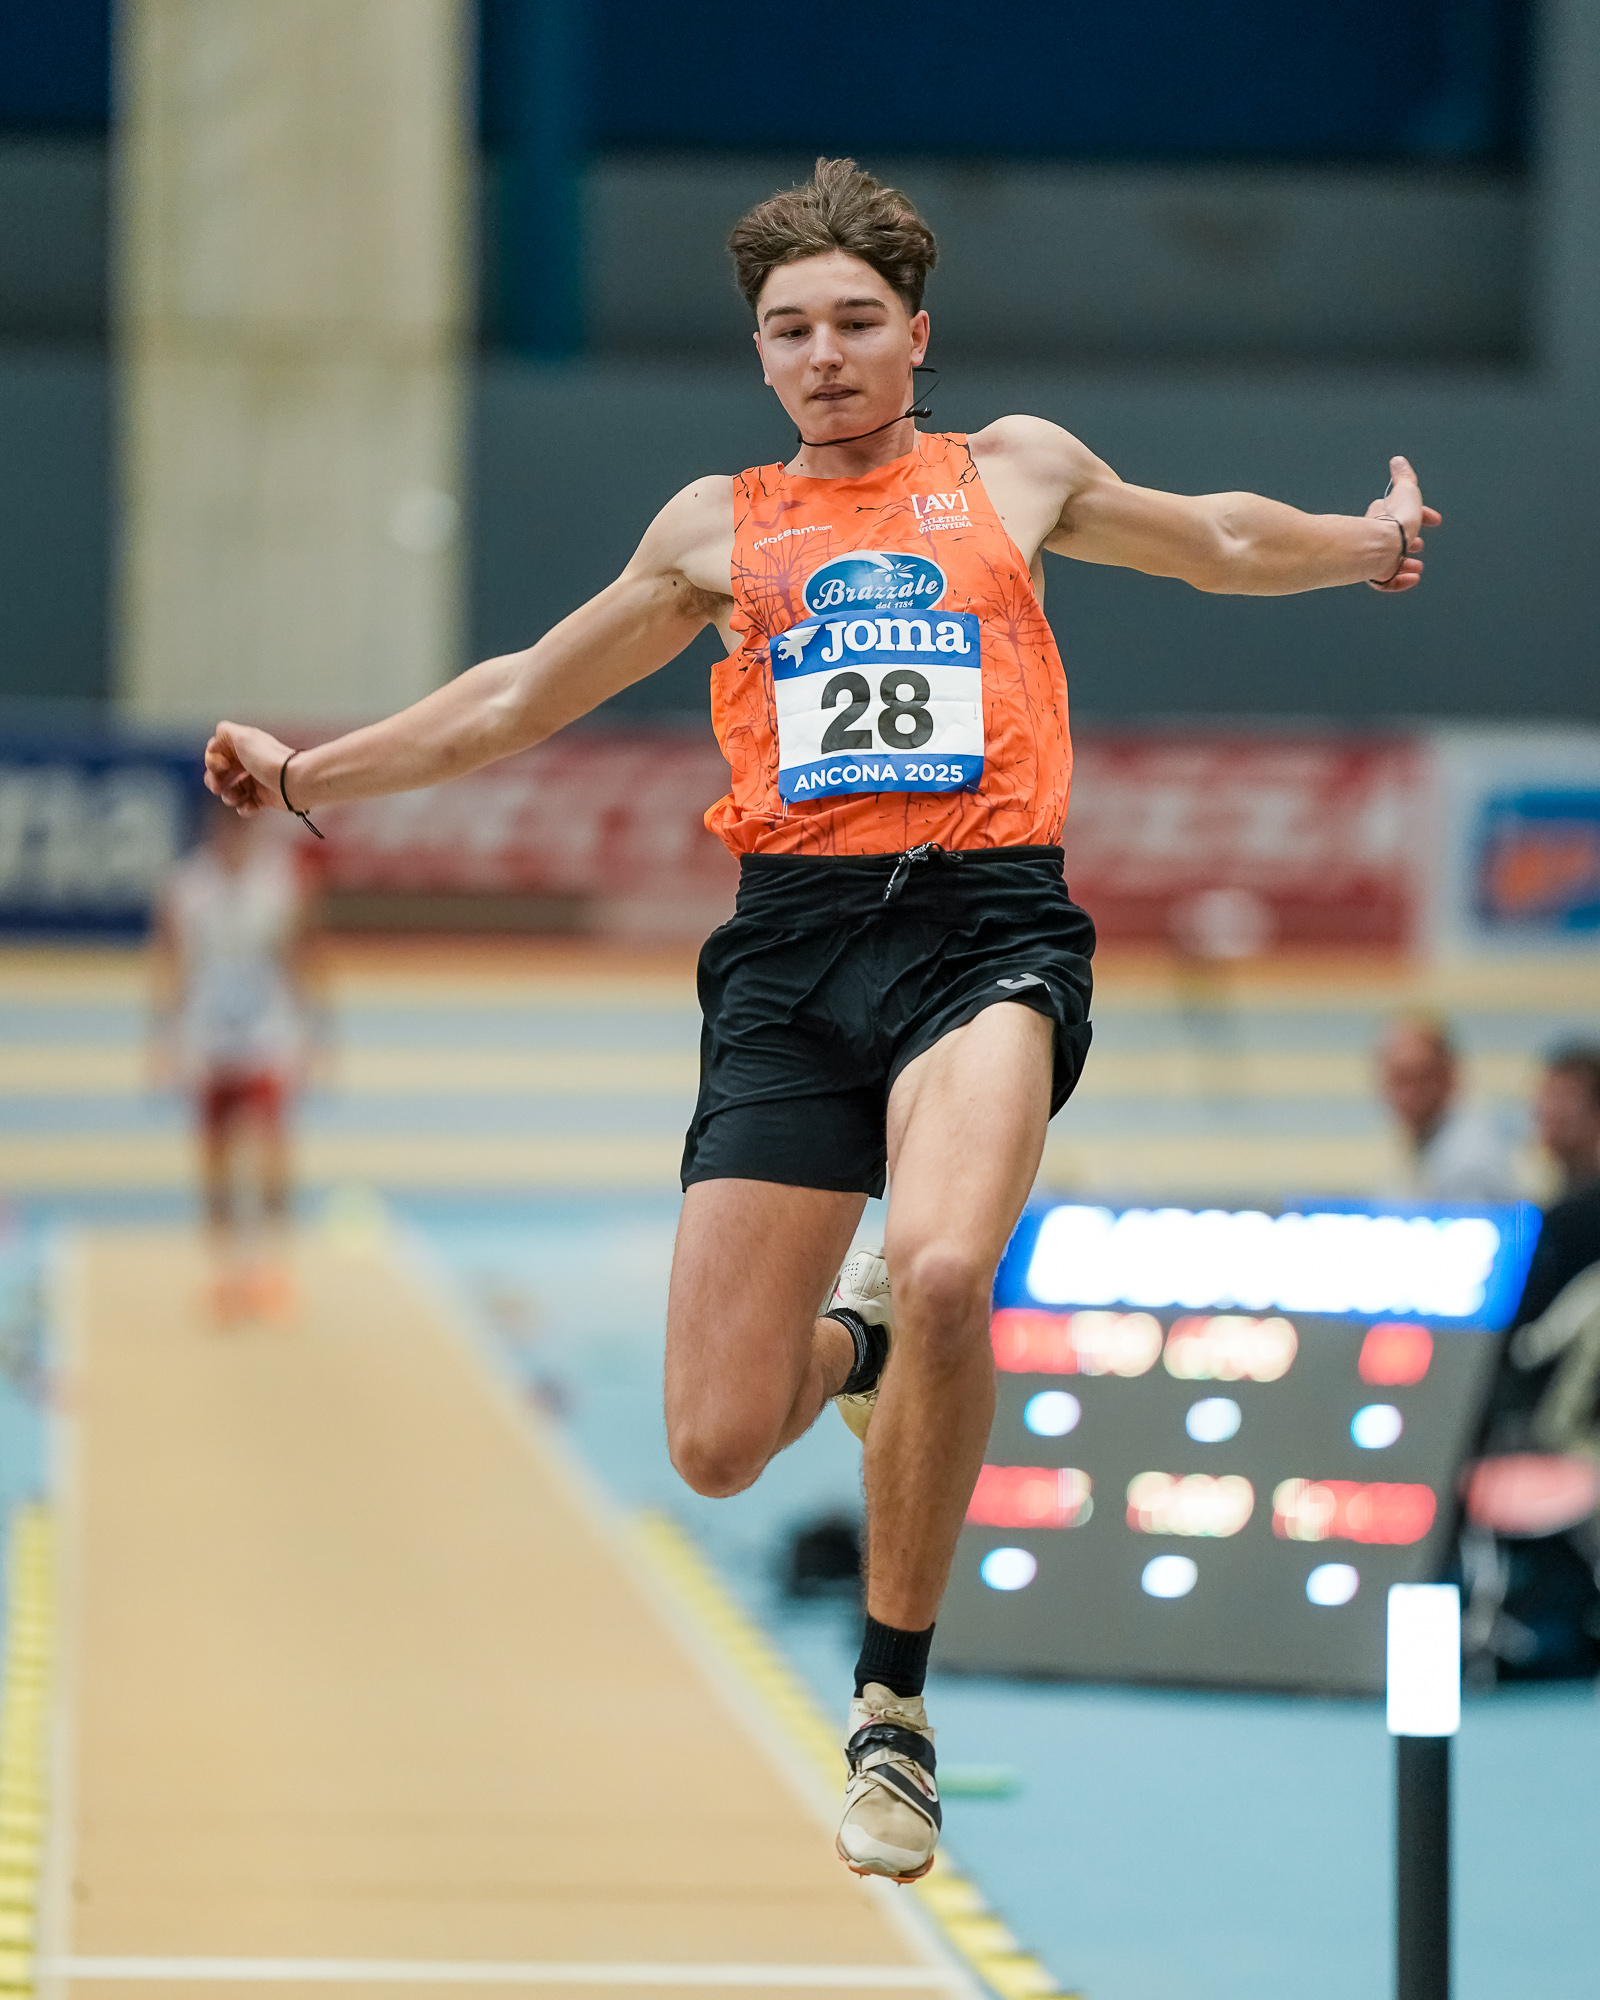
839,208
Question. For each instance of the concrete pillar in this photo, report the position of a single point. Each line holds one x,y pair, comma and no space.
291,306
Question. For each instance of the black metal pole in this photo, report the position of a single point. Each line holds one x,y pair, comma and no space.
1422,1867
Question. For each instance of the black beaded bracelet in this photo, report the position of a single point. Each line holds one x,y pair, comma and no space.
283,791
1378,582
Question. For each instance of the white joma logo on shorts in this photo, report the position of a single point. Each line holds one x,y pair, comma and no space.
1022,979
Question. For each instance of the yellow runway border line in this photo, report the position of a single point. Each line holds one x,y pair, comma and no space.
954,1903
24,1739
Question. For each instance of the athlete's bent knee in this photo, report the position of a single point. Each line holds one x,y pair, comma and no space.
716,1463
942,1295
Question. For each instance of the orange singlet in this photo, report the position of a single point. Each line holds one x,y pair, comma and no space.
894,679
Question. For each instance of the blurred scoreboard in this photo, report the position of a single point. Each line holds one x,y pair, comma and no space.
1222,1435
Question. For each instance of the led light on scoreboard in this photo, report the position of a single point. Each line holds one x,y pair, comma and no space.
1081,1343
1210,1347
1332,1583
1169,1576
1197,1504
1031,1496
1230,1347
1376,1426
1213,1420
1395,1356
1350,1510
1330,1261
1231,1380
1052,1413
1009,1569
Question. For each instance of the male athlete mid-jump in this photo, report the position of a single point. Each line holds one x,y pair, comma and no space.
905,983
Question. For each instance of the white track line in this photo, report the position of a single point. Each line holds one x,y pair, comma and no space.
481,1972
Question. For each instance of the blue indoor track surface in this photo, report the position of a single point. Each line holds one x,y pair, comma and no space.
23,1361
1159,1846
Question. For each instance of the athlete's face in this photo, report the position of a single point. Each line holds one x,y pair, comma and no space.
838,345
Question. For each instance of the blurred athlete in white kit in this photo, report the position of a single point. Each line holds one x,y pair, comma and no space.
233,1015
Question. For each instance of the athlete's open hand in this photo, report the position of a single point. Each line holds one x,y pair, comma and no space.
242,766
1403,503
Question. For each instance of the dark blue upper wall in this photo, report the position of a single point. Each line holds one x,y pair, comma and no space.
55,65
1149,79
1435,80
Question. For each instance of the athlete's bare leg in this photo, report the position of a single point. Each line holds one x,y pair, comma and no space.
966,1130
218,1148
216,1165
272,1142
271,1283
749,1366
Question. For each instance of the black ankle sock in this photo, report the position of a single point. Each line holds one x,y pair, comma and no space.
894,1659
871,1345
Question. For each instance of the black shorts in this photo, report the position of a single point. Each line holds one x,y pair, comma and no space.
818,991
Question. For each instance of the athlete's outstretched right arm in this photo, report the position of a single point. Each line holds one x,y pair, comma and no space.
675,585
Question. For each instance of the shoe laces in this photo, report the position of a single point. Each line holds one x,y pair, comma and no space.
897,1713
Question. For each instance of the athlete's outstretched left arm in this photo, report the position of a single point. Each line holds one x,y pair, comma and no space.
667,593
1224,542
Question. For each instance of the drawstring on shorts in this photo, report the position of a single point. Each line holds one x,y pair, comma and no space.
902,867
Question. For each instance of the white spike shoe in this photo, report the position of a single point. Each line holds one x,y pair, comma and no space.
863,1286
891,1802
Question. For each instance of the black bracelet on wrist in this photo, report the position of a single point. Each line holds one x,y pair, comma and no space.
283,791
1378,582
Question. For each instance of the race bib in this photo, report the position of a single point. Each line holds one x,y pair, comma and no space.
879,704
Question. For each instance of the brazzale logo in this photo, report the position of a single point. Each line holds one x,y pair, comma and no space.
875,580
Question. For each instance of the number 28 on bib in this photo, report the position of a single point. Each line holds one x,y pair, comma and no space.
881,703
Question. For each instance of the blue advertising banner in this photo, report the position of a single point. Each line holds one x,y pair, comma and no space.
1538,860
1517,829
89,828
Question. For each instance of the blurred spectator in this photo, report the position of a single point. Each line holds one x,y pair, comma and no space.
1531,1547
232,941
1456,1153
1566,1117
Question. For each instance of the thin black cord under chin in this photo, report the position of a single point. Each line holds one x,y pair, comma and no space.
922,409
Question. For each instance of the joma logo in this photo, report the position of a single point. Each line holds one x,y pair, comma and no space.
939,503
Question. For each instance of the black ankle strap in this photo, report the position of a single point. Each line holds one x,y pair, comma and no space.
890,1736
871,1345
